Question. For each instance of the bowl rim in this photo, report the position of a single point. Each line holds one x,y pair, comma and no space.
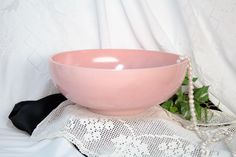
51,60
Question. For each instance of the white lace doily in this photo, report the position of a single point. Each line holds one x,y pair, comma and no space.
152,133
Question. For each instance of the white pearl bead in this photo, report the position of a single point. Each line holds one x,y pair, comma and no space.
221,134
190,97
191,101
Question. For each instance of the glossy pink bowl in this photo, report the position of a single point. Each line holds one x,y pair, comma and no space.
116,81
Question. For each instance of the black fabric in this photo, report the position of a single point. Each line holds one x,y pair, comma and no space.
26,115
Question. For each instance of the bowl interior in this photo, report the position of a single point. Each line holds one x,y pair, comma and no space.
115,59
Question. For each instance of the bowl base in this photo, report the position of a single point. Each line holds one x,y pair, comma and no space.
118,112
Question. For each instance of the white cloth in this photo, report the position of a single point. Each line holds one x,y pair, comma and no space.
210,28
14,143
151,133
32,30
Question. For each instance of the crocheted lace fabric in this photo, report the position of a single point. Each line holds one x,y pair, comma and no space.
152,133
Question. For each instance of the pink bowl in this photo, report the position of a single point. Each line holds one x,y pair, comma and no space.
117,82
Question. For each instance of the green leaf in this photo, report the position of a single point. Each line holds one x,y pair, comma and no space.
178,104
201,94
198,110
205,115
166,105
180,96
184,107
184,110
187,115
195,79
186,80
179,92
204,98
199,91
173,109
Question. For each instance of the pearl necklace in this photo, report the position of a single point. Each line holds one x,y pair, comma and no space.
220,134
